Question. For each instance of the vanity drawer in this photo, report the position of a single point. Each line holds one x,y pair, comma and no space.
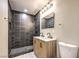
36,46
42,49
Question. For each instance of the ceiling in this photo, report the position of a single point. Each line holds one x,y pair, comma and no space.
30,6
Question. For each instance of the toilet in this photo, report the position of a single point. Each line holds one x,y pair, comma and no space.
67,50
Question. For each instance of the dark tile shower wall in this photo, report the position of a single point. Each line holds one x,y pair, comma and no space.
37,24
23,30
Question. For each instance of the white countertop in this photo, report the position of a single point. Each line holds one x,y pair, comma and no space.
44,39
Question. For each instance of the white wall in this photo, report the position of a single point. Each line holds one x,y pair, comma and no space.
3,28
67,14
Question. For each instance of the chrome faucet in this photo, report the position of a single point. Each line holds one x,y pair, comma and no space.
49,35
41,34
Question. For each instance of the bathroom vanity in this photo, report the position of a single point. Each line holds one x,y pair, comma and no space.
44,47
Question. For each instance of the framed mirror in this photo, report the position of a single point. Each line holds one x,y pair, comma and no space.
47,22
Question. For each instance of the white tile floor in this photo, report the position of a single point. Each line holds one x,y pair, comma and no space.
27,55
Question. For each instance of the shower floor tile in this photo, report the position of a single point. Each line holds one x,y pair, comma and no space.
27,55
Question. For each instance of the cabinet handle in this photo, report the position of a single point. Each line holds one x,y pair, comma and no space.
41,45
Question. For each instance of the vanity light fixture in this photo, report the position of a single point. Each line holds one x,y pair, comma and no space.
46,7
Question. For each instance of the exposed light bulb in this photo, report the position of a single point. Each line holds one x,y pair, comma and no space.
24,16
25,10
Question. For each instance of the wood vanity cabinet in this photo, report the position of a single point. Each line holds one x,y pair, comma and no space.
44,49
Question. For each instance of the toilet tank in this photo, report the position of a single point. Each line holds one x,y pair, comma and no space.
67,50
